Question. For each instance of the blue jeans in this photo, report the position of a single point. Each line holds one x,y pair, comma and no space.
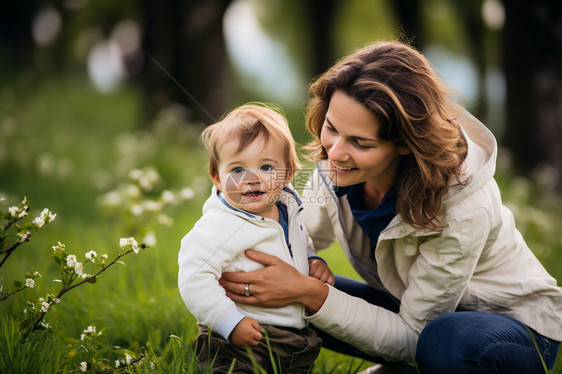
459,342
480,342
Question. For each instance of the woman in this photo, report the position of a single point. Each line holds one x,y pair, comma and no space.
411,198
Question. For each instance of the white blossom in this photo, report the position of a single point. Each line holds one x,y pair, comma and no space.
17,213
129,243
29,282
71,261
79,269
14,210
150,239
112,198
152,206
47,215
136,210
128,358
24,236
39,222
187,193
45,306
91,255
90,329
135,174
83,366
45,325
168,196
165,220
133,191
116,364
59,247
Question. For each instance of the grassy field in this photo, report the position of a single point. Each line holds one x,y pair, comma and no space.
66,147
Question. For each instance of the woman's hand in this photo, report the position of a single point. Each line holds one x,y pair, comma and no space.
276,285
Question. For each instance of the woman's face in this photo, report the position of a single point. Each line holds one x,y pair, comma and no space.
355,152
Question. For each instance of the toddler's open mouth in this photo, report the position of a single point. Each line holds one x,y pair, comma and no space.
253,194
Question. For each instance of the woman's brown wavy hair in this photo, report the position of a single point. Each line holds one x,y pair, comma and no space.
397,84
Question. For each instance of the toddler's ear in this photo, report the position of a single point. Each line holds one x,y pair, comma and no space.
216,181
289,176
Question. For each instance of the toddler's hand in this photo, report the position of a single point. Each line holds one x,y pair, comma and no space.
319,270
246,333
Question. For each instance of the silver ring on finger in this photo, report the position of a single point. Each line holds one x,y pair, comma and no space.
247,290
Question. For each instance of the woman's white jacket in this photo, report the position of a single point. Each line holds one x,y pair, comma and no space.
478,262
216,244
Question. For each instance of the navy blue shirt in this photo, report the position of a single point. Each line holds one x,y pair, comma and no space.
372,221
284,220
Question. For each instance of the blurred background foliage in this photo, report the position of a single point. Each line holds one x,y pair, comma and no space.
90,90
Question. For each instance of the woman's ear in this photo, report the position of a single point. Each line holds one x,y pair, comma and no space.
403,151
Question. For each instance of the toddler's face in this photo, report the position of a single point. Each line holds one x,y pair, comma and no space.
252,179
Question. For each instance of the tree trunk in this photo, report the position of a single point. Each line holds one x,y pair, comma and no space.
533,70
408,13
186,57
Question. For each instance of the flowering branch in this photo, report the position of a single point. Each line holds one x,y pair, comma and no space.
16,213
71,269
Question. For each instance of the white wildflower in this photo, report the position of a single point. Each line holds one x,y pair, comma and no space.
56,300
45,306
168,196
152,206
116,364
112,198
129,243
59,247
47,215
133,191
165,220
24,236
45,325
39,222
30,283
71,261
79,269
152,365
135,174
14,210
105,256
128,358
136,210
150,239
91,255
187,193
83,366
90,329
82,337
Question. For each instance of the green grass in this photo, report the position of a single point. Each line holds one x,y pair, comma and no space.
63,145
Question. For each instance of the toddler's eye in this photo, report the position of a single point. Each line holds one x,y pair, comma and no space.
238,170
266,168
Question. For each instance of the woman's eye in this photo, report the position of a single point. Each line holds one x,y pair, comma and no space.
238,170
266,168
329,127
361,146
